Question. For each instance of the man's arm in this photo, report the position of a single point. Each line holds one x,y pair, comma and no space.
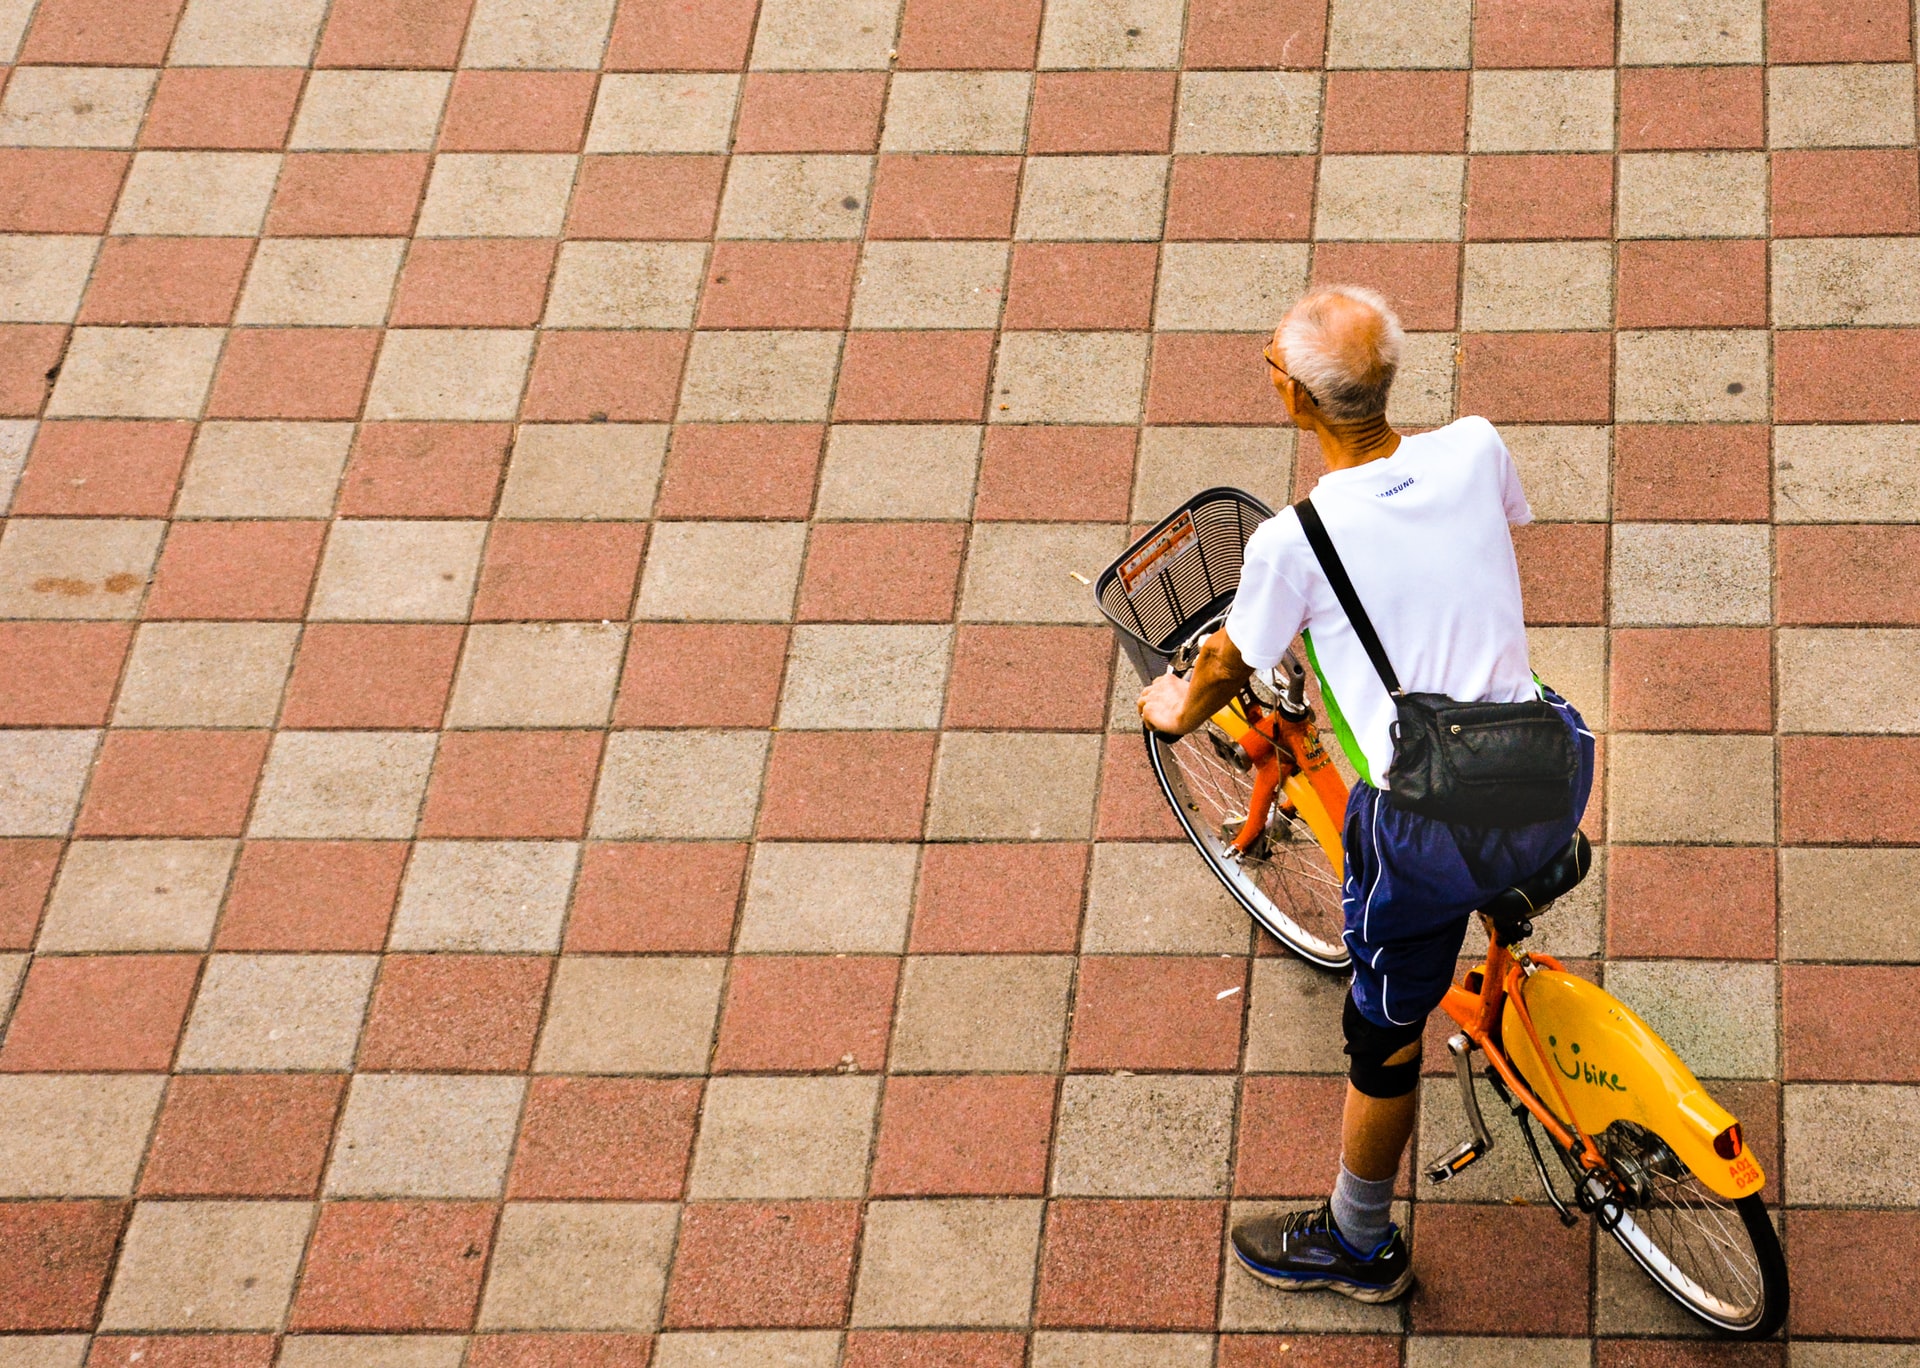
1176,706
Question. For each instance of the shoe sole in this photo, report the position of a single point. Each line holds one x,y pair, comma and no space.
1360,1292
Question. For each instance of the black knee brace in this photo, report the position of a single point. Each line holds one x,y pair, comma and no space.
1370,1046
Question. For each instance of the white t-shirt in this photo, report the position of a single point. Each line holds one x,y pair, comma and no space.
1423,535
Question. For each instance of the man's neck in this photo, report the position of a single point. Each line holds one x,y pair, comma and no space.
1345,445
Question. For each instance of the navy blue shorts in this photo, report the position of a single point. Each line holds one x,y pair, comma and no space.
1413,881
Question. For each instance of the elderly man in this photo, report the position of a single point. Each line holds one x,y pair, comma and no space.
1421,524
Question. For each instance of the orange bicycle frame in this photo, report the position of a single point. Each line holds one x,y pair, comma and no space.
1286,754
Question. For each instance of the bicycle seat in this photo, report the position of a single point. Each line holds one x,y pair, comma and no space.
1512,909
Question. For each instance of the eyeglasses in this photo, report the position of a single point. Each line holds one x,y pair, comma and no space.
1267,352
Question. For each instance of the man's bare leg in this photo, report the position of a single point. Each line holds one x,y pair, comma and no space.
1374,1130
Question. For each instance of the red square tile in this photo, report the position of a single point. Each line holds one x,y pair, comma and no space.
222,107
1847,574
744,663
1482,1269
1132,806
763,1264
1846,375
1845,194
559,570
1692,1353
54,1261
1255,33
1289,1135
561,1349
172,783
1544,196
779,285
294,373
1020,678
1692,285
1851,790
1081,285
846,786
1537,377
455,1013
512,783
807,1013
353,194
394,33
517,111
1420,279
943,197
101,32
1101,111
1395,111
1707,472
913,376
60,674
1308,1351
1838,31
656,896
882,572
1690,902
235,570
965,1136
1158,1012
100,1012
1691,679
1543,33
1055,474
351,674
312,895
681,35
1692,107
646,197
1240,198
1822,1241
741,470
26,875
103,469
942,35
1835,1026
1563,572
29,360
999,899
242,1135
394,1266
474,283
617,1139
181,1351
1211,378
934,1349
1131,1265
810,111
623,377
58,189
166,280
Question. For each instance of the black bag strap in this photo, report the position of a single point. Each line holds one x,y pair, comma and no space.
1336,574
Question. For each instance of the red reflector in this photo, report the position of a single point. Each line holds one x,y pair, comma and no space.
1728,1144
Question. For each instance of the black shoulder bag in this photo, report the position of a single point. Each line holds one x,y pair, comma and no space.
1477,764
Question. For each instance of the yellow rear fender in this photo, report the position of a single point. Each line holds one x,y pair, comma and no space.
1610,1066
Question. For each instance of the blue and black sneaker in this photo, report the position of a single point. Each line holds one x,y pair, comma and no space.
1300,1250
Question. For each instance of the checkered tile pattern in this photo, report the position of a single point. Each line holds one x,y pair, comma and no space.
563,802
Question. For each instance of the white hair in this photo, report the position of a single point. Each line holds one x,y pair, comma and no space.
1348,376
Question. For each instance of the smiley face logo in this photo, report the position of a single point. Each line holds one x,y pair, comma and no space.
1553,1045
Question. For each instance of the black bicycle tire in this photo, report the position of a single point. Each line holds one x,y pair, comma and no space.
1768,1255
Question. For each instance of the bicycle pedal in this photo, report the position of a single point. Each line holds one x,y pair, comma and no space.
1461,1156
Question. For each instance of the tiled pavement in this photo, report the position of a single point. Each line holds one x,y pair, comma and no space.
560,796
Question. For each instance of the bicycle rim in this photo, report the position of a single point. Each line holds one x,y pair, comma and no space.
1291,891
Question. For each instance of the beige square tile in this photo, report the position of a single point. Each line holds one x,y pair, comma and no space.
537,674
1293,1018
13,969
619,1015
538,34
76,567
1840,106
1069,377
1399,33
732,572
800,35
42,1351
957,111
1686,787
135,373
264,470
982,1013
42,278
1248,111
1542,111
930,285
1516,286
372,1351
1390,199
1840,1146
765,376
748,1349
784,1137
855,677
1228,286
14,15
699,785
1563,470
1692,194
74,1135
206,674
795,196
16,435
249,33
663,112
1153,898
276,1012
74,106
41,775
497,194
579,1266
584,470
1423,389
1178,462
1655,33
1020,786
1848,680
1094,1349
1673,574
1093,199
1833,474
207,1266
342,784
377,570
839,898
626,285
1718,1015
1852,905
470,373
1166,1136
341,281
899,470
1846,282
494,896
137,895
370,111
1573,663
1019,572
425,1135
1684,375
948,1262
1111,33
